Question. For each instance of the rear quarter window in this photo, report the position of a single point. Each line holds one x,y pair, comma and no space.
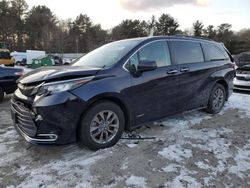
187,52
213,53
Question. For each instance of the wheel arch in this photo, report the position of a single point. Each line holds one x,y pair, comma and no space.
114,99
225,85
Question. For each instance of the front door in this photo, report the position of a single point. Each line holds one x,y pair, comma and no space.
153,94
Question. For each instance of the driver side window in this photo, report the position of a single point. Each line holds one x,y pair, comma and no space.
156,51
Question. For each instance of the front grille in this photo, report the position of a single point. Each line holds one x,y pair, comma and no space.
242,78
242,71
24,118
242,87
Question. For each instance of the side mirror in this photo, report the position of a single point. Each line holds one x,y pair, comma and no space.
146,65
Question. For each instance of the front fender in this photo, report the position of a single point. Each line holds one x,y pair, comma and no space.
109,88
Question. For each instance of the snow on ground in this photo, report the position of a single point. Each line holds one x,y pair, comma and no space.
193,149
176,153
136,181
184,180
242,160
239,101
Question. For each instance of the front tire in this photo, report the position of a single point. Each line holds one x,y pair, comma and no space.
101,126
217,99
1,94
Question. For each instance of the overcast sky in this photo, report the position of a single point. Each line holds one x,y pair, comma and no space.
109,13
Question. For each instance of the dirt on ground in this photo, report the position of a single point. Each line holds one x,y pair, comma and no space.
193,149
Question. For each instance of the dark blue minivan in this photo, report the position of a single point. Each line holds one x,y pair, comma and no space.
121,86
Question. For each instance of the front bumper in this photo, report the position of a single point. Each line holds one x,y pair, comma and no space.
47,120
40,138
243,85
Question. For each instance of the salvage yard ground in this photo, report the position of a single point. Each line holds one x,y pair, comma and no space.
194,149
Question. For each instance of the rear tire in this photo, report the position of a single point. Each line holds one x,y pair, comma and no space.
101,126
217,99
1,94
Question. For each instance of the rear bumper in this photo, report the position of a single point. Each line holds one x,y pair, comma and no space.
48,120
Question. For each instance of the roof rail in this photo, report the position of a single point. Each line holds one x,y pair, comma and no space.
194,37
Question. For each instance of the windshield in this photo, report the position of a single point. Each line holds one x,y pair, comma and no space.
107,55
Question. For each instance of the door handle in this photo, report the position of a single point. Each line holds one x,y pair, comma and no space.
184,69
174,71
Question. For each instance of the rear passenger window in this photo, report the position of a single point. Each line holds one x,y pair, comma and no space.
212,52
187,52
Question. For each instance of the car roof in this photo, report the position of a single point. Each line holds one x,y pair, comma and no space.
179,37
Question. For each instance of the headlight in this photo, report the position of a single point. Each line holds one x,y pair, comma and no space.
60,86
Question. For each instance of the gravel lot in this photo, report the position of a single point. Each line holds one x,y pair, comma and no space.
193,149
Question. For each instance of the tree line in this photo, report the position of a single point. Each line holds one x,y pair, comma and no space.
39,29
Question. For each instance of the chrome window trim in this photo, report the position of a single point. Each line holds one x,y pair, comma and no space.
159,40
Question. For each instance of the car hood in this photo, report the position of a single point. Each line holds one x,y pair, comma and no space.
57,73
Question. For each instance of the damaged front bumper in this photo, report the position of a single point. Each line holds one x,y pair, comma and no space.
48,119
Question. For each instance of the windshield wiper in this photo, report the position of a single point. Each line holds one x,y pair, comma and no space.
103,67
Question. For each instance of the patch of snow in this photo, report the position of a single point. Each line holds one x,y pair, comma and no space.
206,134
207,180
176,153
136,181
213,143
70,172
125,164
5,156
220,167
184,180
242,160
9,135
202,165
220,148
239,101
171,168
132,145
5,118
186,119
10,186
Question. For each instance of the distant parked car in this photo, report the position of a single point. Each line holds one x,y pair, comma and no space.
67,61
57,60
8,78
6,59
242,80
23,62
120,86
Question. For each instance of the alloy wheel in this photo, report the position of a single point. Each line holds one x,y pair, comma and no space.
104,126
218,98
